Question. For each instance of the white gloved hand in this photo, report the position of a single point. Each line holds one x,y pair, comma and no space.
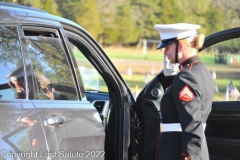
170,69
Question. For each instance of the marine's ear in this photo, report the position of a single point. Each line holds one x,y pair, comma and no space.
180,46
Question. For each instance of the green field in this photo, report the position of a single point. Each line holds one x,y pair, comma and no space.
151,55
224,72
125,58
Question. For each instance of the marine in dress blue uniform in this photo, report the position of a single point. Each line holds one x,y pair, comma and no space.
186,103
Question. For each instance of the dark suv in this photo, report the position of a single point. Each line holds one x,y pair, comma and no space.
62,98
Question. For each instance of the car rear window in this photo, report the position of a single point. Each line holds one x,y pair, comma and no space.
52,77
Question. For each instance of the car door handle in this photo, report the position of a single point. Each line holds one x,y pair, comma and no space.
54,120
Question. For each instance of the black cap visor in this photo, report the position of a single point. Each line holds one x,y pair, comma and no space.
166,43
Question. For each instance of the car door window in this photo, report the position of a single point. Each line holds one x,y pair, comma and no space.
12,84
226,69
91,79
51,69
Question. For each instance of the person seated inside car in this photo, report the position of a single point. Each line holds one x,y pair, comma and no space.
15,84
48,90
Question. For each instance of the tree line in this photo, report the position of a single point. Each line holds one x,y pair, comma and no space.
126,22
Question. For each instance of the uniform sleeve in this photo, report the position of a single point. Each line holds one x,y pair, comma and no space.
165,81
187,94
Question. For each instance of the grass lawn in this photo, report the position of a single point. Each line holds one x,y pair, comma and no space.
151,55
225,73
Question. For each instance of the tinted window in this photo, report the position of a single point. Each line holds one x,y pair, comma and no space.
12,83
51,69
226,69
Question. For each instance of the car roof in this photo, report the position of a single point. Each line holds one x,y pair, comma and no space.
13,13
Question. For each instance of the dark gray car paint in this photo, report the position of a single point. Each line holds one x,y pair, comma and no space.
82,130
16,132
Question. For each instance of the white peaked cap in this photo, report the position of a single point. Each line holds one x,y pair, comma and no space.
13,78
175,31
178,31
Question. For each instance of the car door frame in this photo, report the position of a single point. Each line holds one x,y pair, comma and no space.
220,36
119,93
223,112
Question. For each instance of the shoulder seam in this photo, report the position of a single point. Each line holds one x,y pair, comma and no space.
191,65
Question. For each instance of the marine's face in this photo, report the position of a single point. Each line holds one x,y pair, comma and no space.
170,52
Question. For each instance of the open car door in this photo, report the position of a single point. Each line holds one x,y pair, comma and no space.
223,125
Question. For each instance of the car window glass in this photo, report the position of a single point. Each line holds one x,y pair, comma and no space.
12,84
91,79
52,73
225,69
